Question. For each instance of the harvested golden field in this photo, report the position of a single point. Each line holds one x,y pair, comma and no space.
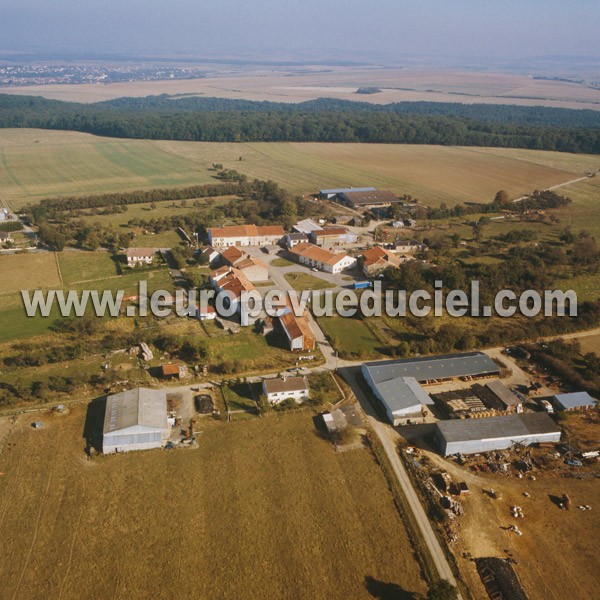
286,84
434,174
262,509
37,164
28,271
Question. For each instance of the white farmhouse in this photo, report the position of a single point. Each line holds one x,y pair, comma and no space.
324,260
278,390
245,235
140,256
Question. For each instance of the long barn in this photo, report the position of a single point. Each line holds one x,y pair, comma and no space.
135,420
469,436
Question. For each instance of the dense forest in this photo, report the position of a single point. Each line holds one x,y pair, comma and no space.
324,120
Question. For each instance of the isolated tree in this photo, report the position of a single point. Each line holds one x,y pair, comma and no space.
442,590
502,199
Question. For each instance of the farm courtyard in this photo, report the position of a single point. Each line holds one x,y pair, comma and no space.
262,509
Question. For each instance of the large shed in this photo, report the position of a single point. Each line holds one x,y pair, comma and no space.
468,436
574,401
395,383
135,420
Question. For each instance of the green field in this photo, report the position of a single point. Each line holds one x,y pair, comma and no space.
35,164
304,281
15,324
351,336
86,266
28,271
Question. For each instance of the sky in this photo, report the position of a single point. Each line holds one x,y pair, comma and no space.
476,29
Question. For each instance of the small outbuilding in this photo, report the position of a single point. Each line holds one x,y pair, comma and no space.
574,401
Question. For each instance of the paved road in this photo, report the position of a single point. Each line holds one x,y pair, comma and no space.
389,440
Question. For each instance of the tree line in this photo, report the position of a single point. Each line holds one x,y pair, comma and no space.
320,121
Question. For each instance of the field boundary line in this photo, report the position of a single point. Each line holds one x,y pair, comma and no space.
75,532
35,534
60,277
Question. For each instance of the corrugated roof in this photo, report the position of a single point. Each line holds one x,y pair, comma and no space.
575,400
490,428
306,226
344,190
289,384
358,198
138,406
402,393
433,367
503,393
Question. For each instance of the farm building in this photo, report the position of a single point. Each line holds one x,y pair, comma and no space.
307,226
574,401
253,268
322,259
135,420
330,236
368,199
377,259
209,254
5,236
468,436
293,239
245,235
408,246
297,331
332,193
139,256
509,401
395,383
286,388
3,214
171,370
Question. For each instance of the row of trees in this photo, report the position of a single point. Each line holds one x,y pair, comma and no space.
317,122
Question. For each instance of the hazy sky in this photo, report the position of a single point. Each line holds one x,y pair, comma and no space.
471,28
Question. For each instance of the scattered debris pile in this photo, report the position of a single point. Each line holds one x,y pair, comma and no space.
500,579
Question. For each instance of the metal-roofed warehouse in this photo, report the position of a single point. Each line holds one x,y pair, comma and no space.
135,420
434,368
396,382
468,436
